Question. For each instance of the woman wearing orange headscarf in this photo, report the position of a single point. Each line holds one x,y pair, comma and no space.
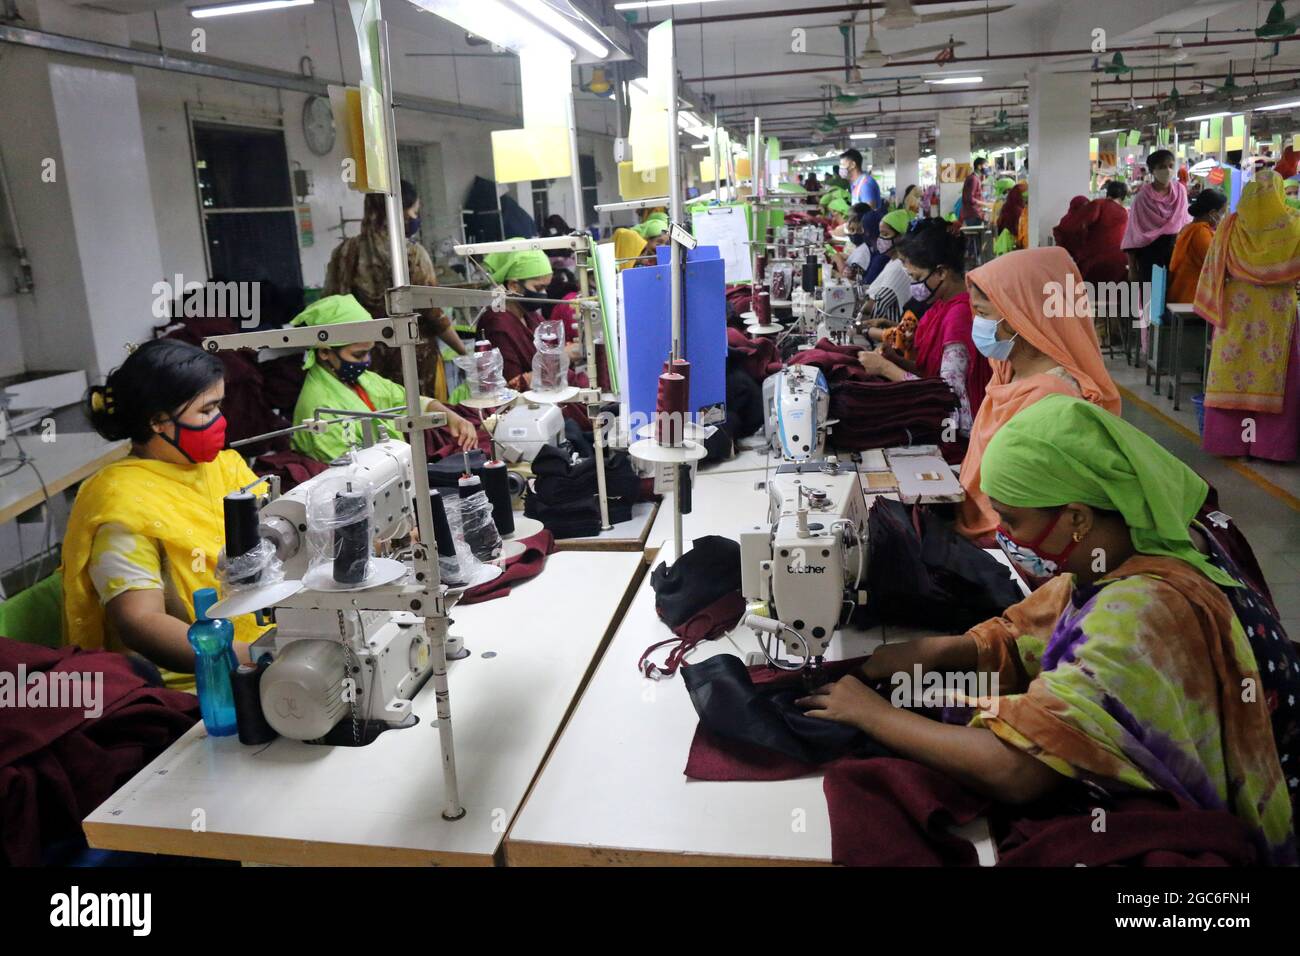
1042,343
1247,292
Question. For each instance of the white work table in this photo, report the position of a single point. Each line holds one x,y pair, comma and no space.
71,457
613,790
295,803
629,535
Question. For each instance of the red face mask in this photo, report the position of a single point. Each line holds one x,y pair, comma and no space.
199,444
1037,565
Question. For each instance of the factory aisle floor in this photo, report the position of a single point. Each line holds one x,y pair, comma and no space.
1263,499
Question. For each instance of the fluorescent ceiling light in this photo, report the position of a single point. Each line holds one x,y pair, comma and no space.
1280,106
863,136
1206,116
243,6
1105,131
699,145
648,4
499,22
955,80
565,26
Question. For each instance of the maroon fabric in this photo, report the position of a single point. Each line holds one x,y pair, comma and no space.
292,467
246,407
711,622
1014,205
839,362
56,765
757,356
893,812
714,759
440,443
520,568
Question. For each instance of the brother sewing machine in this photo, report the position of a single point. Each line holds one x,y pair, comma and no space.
808,567
839,309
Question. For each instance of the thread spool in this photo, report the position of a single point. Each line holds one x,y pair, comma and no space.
351,537
467,485
441,527
760,268
482,345
240,509
480,531
763,306
670,410
496,485
809,275
250,722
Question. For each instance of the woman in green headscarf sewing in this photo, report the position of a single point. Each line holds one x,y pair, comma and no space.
340,378
1142,663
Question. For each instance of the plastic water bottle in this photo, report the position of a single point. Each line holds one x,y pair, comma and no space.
214,659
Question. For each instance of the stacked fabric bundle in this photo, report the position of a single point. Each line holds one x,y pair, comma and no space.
756,356
874,413
563,495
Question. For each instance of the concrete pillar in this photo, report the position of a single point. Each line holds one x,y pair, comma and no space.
907,154
1059,124
953,150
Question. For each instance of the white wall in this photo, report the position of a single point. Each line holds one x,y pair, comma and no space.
67,280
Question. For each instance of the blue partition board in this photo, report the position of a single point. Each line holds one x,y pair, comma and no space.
1159,277
647,336
692,255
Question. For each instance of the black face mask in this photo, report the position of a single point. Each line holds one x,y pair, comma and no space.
857,238
534,295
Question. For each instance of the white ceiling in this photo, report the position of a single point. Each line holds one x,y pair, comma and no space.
719,58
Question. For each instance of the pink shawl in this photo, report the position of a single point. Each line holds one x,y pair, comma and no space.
1154,215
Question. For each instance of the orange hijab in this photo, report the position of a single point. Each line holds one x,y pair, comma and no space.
1025,287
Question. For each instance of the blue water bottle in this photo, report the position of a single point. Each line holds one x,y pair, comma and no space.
214,659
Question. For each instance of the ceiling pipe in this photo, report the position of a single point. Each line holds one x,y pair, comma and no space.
804,71
801,12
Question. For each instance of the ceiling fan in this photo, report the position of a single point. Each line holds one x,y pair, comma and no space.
873,57
900,15
1276,25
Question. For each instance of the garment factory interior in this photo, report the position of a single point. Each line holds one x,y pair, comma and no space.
586,433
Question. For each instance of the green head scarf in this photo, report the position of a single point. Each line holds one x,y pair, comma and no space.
529,264
1062,450
898,220
330,310
652,228
1003,186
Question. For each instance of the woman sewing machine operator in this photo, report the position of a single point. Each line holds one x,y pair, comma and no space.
145,532
341,378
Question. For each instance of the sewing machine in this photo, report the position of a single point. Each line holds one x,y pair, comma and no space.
839,309
329,663
521,432
803,571
798,405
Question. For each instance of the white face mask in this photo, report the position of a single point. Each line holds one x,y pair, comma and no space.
1163,175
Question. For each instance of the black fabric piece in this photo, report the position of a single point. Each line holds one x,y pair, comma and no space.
744,404
733,708
934,578
718,446
701,576
517,222
578,440
564,497
480,216
446,473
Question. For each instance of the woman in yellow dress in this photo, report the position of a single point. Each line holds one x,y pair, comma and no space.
145,532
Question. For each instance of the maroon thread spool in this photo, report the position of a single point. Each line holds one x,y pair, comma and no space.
760,268
482,345
763,306
602,368
670,410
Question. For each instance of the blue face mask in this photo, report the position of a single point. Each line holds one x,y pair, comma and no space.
984,334
350,373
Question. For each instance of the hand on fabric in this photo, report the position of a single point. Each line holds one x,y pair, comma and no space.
847,701
521,381
876,364
462,430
